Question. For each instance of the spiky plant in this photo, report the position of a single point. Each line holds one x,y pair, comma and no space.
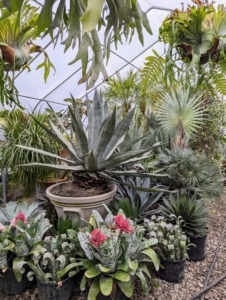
135,204
192,212
189,170
94,157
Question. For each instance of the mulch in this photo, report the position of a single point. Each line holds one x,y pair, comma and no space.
195,272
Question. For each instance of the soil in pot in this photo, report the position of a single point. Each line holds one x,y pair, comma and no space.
52,291
173,270
82,187
10,286
197,253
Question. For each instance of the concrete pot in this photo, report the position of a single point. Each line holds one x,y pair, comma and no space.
80,207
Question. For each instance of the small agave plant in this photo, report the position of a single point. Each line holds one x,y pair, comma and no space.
116,252
95,154
54,260
172,242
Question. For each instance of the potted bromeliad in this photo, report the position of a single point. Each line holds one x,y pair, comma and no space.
171,247
194,216
116,253
93,157
54,266
21,231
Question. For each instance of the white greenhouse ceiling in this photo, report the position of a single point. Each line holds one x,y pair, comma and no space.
64,81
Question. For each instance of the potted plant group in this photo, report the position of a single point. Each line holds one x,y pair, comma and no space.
21,233
171,247
116,253
92,159
194,216
54,266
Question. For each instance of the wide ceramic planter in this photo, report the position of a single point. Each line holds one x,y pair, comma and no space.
10,286
197,252
172,271
51,291
80,207
44,184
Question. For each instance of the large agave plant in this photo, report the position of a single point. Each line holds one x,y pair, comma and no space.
94,154
192,211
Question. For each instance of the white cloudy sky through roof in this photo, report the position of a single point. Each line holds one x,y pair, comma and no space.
64,81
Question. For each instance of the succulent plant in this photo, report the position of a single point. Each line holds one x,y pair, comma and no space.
115,249
64,224
192,212
172,242
50,263
95,156
135,204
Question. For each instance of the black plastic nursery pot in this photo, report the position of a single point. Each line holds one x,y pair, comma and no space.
173,270
51,291
197,252
118,296
10,286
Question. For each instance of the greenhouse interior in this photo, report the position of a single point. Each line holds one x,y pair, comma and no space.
112,150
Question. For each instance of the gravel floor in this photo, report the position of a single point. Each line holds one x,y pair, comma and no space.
195,273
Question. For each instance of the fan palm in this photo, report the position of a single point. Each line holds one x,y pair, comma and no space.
180,114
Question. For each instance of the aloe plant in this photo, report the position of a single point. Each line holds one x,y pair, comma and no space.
172,242
94,154
192,212
54,260
115,249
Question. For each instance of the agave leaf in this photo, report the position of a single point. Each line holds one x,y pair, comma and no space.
58,167
120,130
105,134
47,153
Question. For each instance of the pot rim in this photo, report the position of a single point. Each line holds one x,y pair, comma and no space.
173,261
52,283
88,199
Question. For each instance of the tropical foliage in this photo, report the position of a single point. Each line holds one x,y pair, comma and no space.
115,249
82,20
17,32
20,128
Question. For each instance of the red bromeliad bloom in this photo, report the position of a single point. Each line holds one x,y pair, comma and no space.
97,238
19,216
122,224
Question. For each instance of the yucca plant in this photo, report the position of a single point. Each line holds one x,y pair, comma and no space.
94,157
192,212
172,242
136,204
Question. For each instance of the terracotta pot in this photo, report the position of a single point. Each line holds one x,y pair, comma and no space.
64,153
80,207
51,181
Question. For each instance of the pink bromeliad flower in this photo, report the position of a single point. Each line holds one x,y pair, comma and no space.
19,216
97,238
122,224
1,227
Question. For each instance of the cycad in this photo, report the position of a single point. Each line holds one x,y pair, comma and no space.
180,114
192,212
